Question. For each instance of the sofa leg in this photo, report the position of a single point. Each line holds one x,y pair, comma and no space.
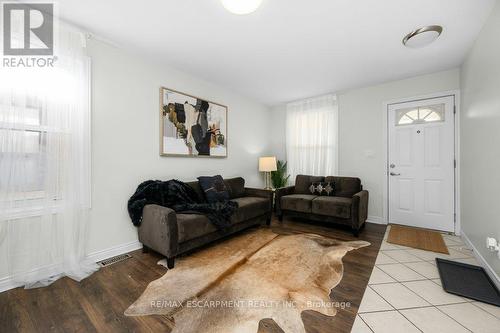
170,263
280,217
268,221
145,249
355,232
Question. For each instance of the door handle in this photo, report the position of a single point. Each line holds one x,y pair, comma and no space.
395,174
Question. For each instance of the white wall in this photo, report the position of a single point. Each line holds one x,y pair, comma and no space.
361,128
361,124
480,140
278,128
125,137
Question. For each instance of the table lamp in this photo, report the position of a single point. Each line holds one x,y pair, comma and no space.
266,165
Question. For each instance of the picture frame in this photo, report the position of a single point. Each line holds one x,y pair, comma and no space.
191,126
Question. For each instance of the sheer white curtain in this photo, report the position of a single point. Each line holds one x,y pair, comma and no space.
311,136
45,166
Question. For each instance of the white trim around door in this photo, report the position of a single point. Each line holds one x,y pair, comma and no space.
385,140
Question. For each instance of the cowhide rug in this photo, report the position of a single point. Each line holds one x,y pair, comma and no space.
231,286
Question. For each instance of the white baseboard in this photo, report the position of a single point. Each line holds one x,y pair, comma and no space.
8,282
11,282
489,270
114,251
376,219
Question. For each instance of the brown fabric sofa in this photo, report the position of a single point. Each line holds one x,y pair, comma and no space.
172,234
349,205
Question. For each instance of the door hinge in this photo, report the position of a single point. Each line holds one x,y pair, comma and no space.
454,109
455,164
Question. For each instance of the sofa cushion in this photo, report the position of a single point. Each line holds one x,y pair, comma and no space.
191,226
214,188
303,182
297,202
250,207
235,187
332,206
345,186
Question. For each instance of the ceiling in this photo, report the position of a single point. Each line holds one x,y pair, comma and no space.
287,49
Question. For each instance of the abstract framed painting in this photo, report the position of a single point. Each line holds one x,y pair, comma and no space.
191,126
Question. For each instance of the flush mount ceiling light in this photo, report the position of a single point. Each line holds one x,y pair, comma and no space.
423,36
241,7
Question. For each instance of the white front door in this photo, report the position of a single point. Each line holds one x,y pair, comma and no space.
421,163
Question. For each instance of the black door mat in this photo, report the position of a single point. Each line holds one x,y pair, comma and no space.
468,281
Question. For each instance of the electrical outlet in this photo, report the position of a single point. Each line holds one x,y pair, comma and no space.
493,245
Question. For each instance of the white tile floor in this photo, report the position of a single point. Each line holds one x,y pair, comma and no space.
404,294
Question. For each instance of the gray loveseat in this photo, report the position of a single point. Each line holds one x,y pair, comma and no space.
170,234
348,206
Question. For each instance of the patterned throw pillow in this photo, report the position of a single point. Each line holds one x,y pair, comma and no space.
323,188
214,188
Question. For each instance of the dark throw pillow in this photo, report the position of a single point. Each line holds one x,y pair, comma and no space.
322,188
235,187
214,188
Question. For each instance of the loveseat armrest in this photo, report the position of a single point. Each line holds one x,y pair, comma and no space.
281,192
359,209
159,231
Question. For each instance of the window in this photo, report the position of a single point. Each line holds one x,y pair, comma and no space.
421,115
311,136
35,135
45,165
22,143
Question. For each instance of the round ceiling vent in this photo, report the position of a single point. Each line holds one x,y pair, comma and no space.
423,36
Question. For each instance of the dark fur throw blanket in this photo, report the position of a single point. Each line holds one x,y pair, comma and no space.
180,197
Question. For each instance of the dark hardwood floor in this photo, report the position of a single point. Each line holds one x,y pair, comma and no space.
98,302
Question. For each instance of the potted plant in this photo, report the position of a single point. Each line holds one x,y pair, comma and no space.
279,178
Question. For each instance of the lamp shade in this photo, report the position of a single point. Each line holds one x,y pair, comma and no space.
267,164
